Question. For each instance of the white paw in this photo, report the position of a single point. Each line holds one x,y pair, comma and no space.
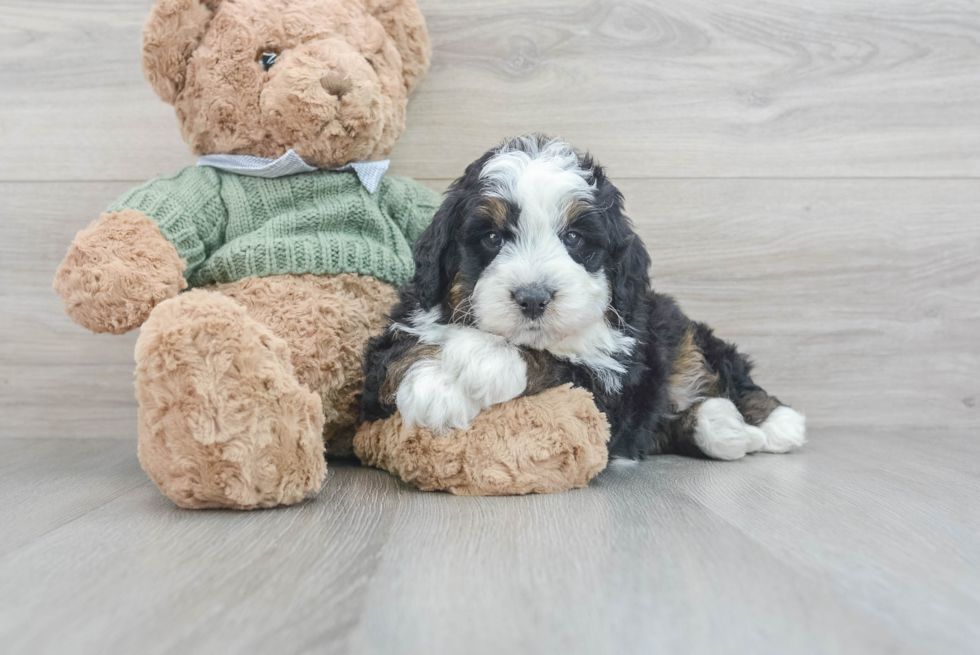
757,438
784,430
488,369
430,397
722,433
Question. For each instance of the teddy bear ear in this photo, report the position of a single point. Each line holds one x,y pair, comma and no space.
404,22
171,34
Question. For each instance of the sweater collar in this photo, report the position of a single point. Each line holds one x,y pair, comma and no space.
368,172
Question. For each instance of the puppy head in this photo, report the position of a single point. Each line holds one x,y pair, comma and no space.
531,243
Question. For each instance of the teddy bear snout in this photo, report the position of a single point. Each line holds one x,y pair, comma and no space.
336,84
326,101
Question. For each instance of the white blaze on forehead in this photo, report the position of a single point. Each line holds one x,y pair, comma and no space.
542,180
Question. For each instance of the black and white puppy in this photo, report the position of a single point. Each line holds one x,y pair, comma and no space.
531,276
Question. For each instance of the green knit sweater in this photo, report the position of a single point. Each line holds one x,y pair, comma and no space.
230,226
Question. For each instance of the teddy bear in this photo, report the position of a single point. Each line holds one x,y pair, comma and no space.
258,275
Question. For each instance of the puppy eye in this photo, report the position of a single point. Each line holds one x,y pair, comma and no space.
492,241
267,59
572,240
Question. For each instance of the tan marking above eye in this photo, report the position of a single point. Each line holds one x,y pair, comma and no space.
573,210
496,210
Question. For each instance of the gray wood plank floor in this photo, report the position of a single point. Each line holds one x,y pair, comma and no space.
807,179
866,542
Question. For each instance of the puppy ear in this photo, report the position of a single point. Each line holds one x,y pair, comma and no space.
629,277
436,253
403,21
172,32
630,280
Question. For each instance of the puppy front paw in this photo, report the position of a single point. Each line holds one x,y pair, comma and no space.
489,369
430,397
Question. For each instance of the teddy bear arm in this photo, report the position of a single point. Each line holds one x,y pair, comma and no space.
117,270
141,251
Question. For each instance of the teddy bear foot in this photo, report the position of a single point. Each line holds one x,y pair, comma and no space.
547,443
223,421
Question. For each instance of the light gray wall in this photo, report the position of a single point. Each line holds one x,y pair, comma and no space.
805,179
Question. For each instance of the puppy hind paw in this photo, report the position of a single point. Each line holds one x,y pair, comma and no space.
784,430
757,439
721,432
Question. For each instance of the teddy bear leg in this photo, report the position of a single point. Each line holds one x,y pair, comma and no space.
326,321
223,421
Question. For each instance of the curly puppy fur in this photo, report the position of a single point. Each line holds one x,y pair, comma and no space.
116,271
530,276
549,443
223,421
326,321
336,93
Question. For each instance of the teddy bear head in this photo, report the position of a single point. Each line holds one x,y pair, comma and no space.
326,78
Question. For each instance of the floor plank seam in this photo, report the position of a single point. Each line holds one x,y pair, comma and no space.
87,512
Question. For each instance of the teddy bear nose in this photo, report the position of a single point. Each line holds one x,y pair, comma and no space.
336,84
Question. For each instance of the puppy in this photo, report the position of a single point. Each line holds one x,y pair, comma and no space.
530,276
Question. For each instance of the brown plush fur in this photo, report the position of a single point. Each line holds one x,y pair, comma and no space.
326,321
240,386
547,443
223,421
117,270
337,92
227,379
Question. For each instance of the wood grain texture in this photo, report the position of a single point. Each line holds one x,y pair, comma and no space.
68,481
866,542
761,88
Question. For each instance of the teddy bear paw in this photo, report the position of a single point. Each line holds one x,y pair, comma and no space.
546,443
116,271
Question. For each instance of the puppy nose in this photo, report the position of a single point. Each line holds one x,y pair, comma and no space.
336,84
533,299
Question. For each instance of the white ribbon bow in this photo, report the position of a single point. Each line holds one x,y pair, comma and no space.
368,172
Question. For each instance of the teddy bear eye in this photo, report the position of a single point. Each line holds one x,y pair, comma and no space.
268,59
